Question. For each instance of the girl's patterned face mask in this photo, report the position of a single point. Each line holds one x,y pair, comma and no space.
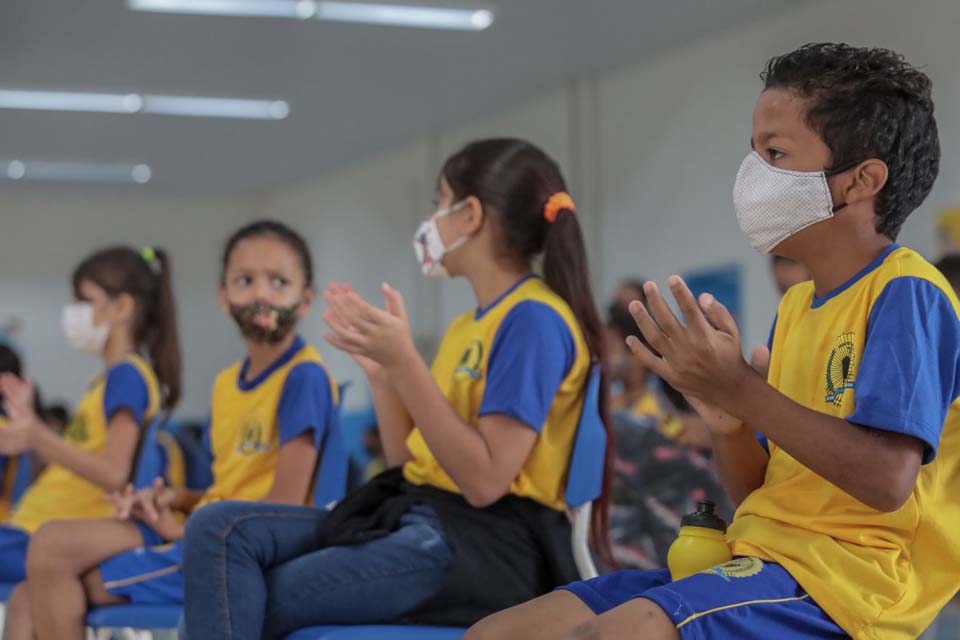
263,322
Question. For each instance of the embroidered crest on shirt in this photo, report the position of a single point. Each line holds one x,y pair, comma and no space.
77,430
840,369
251,440
470,362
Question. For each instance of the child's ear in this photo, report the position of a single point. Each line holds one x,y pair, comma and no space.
869,178
309,295
475,215
125,307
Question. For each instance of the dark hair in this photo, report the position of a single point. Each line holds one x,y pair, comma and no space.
868,103
57,412
146,278
949,266
514,179
270,228
10,361
632,283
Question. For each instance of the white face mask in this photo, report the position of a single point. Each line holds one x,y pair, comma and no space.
78,327
773,204
429,246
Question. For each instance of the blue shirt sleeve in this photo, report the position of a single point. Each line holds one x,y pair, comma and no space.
773,331
306,403
125,389
532,353
908,375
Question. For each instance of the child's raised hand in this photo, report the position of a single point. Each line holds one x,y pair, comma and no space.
18,397
701,358
18,401
378,336
718,421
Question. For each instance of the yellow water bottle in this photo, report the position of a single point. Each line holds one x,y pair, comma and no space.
702,542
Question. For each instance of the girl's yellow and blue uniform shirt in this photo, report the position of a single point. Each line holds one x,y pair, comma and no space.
250,421
523,356
881,351
60,494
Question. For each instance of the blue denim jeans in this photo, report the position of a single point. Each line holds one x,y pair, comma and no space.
253,570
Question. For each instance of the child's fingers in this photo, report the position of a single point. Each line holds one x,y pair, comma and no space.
651,332
760,360
688,305
658,309
649,360
394,301
718,314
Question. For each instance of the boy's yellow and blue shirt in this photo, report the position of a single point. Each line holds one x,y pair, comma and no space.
60,494
251,419
881,351
523,356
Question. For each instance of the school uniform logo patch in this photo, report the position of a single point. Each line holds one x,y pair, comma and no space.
737,568
77,430
251,439
470,362
840,369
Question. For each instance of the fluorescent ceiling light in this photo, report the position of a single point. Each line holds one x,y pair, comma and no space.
197,106
75,171
399,15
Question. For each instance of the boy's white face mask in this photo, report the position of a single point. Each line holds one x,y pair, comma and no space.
429,246
773,204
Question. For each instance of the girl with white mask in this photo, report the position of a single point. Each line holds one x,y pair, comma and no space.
123,312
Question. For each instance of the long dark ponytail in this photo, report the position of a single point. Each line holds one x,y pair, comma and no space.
516,180
147,278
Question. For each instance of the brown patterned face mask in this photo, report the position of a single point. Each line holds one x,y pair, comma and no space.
263,322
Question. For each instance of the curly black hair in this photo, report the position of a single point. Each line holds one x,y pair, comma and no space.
868,103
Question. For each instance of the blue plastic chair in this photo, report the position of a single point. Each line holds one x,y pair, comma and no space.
329,486
584,485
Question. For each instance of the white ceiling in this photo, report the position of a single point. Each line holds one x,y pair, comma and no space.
354,90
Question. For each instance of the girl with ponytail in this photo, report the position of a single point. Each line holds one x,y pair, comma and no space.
470,518
123,312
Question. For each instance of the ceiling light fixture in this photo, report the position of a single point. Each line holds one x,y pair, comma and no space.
61,171
196,106
399,15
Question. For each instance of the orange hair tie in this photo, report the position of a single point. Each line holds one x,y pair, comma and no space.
557,203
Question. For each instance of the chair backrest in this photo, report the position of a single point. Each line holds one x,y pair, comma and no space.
151,458
585,473
331,481
23,477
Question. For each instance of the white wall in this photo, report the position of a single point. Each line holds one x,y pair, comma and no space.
42,239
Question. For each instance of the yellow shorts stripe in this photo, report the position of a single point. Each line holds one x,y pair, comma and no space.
143,577
738,605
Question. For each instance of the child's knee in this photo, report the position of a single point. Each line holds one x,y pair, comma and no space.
638,618
49,549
